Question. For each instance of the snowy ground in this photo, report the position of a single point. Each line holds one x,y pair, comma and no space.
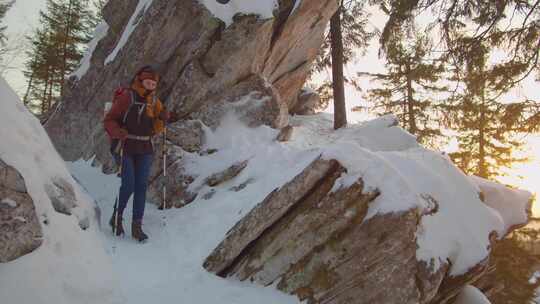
169,266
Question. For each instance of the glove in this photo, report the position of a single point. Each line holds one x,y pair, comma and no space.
173,117
164,115
122,134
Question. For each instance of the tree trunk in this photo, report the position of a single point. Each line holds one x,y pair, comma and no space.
482,170
50,98
28,89
410,102
65,47
44,96
340,112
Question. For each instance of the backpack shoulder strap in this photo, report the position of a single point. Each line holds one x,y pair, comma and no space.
130,105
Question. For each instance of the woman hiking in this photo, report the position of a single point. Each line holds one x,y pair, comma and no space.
135,117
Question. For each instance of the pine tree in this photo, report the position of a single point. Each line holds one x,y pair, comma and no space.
409,87
353,26
56,50
40,72
6,50
338,83
512,26
489,132
4,7
98,6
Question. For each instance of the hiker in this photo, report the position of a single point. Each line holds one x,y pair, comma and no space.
135,117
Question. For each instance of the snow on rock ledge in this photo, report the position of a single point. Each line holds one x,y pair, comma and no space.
513,205
99,33
226,12
471,295
374,199
70,264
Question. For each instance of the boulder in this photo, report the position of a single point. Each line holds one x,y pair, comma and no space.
186,134
227,174
61,195
308,100
242,185
176,180
313,240
253,101
20,230
285,134
265,214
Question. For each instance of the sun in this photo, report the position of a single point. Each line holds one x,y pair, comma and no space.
526,176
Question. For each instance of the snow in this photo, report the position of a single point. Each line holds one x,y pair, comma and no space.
408,176
141,8
20,219
307,90
471,295
534,278
169,267
254,144
511,204
99,33
70,266
11,203
226,12
296,5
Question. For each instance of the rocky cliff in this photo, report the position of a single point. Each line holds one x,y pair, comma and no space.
205,64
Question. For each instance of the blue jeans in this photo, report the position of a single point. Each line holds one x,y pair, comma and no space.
135,172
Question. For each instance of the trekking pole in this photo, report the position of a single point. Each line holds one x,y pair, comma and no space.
164,185
117,209
165,166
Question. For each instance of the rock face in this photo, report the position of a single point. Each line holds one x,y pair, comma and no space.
61,195
207,69
313,241
285,134
307,102
20,231
187,134
226,174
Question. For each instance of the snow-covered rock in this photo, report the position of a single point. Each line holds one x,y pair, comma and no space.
471,295
17,237
513,205
226,13
307,102
254,101
388,214
50,221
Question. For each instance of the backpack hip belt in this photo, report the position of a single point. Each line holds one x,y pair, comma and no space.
136,137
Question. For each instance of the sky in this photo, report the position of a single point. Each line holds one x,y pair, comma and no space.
21,19
24,17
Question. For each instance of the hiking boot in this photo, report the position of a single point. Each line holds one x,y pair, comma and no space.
116,224
136,231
